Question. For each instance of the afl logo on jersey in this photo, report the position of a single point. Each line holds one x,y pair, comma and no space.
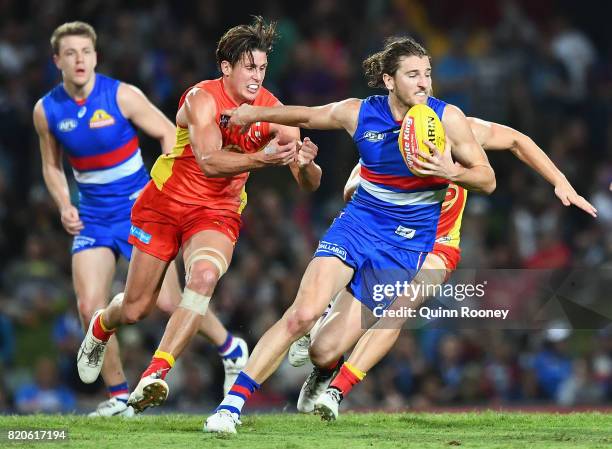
373,136
100,119
67,125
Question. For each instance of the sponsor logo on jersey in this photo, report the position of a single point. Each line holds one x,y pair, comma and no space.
67,125
328,247
140,235
82,112
373,136
405,232
81,241
254,130
101,119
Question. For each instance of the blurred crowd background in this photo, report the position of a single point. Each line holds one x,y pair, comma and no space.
542,67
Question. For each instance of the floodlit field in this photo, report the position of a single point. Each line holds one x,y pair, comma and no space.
352,431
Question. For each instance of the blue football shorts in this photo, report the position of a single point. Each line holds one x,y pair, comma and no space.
376,263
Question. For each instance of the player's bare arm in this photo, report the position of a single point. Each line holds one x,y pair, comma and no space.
493,136
473,171
198,115
338,115
136,107
351,183
53,172
305,171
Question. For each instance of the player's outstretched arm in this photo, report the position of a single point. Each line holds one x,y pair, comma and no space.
198,115
53,172
473,171
493,136
338,115
137,108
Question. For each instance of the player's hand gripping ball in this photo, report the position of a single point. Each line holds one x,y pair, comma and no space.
420,123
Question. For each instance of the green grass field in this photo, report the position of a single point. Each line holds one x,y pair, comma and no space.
352,431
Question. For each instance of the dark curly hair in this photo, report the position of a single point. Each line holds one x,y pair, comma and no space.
242,40
387,60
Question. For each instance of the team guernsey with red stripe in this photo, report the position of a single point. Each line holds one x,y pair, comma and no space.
401,207
390,224
102,148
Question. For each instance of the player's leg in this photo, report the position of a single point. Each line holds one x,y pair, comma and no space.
92,274
338,332
169,298
381,337
144,281
323,279
299,350
378,340
207,256
233,350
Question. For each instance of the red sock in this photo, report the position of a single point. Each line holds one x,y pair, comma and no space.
347,378
99,331
161,363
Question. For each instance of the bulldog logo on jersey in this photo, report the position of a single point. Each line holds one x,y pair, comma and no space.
100,119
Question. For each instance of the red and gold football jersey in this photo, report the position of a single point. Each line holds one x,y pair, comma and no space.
178,175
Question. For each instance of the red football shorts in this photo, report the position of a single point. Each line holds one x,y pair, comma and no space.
160,224
449,254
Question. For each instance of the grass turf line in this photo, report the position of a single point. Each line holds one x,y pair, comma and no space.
352,431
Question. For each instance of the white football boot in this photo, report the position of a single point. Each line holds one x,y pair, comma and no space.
327,404
233,367
112,407
151,391
315,385
298,351
91,353
222,421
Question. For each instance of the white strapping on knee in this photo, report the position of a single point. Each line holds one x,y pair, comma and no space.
194,301
216,258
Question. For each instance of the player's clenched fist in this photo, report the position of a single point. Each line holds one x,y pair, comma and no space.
70,220
275,154
306,152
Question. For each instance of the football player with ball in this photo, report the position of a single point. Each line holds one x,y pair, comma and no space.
386,230
323,395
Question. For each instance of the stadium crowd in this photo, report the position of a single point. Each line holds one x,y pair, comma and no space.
548,75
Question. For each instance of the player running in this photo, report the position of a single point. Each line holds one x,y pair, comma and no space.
440,263
88,115
390,225
194,201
